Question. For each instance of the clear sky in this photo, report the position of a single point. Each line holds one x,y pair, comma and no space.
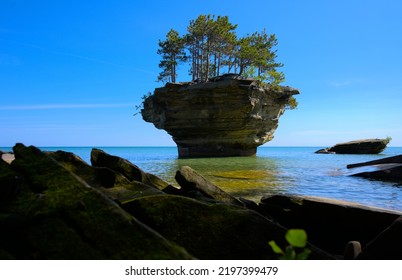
71,72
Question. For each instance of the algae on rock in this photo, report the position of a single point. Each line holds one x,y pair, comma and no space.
224,117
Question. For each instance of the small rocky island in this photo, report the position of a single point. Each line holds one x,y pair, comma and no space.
225,116
365,146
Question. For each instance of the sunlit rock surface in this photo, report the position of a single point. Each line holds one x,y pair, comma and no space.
226,117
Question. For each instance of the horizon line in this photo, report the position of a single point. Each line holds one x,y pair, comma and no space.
63,106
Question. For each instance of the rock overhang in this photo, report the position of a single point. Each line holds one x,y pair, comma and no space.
223,117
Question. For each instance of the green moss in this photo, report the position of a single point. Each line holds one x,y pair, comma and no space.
208,231
95,219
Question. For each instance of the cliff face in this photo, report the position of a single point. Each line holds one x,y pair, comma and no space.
227,117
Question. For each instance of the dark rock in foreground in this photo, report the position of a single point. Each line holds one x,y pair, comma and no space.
330,224
217,231
392,173
386,246
226,117
386,169
54,214
53,205
386,160
366,146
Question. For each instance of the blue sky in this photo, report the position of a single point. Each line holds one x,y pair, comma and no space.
71,72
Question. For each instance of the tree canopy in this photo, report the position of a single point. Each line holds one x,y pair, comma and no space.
211,48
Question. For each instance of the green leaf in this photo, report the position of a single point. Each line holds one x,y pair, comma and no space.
275,247
296,238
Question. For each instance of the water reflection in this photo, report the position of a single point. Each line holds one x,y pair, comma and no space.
249,177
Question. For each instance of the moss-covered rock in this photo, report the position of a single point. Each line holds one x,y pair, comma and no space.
132,172
108,181
9,184
210,231
94,176
64,212
135,189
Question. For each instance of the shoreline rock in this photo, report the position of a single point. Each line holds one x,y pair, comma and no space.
386,169
56,215
394,159
221,118
53,205
365,146
330,224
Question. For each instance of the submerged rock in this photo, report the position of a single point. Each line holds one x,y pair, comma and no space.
228,117
366,146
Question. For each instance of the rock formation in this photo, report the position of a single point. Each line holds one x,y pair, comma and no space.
366,146
224,117
385,169
53,205
330,224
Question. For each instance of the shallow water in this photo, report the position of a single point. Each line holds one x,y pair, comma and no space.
289,170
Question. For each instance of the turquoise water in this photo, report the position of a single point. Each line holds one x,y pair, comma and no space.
290,170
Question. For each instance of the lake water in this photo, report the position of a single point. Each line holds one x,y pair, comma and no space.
286,170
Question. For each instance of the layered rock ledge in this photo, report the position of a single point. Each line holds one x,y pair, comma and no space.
224,117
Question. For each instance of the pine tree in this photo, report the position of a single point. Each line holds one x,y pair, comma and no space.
172,51
212,46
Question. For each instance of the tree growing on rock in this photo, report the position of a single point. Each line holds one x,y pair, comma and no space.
172,52
213,48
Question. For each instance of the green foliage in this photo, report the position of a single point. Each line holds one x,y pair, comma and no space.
172,52
212,47
292,103
388,139
296,238
296,250
138,108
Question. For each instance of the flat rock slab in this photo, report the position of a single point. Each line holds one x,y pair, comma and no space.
330,224
385,169
394,159
387,172
366,146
